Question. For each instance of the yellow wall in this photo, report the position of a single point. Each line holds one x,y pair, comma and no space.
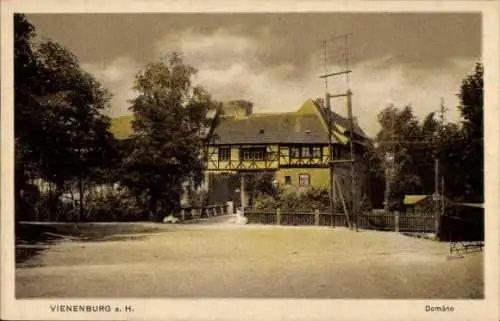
318,176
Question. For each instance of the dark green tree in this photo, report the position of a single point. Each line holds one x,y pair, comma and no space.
60,130
395,153
471,111
172,118
76,132
28,129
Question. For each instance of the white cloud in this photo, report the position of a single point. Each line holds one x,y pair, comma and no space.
118,77
229,68
401,86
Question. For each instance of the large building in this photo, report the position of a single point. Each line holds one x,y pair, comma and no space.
293,146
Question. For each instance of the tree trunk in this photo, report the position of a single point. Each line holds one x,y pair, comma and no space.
51,202
387,191
81,213
153,208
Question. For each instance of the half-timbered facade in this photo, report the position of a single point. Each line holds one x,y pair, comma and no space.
294,146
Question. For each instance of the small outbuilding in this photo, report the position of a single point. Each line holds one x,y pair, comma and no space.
417,203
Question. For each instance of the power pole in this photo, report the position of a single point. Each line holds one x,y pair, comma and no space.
390,159
353,158
330,143
438,196
330,164
437,216
442,111
442,197
351,136
328,112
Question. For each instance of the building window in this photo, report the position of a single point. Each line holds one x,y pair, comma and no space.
288,180
316,152
224,153
255,154
304,179
294,152
306,152
258,155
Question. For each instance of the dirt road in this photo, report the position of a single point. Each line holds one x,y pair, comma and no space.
252,262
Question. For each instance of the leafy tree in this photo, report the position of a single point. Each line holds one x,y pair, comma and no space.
77,140
451,147
60,130
263,184
375,176
406,149
171,121
429,147
396,151
471,111
27,126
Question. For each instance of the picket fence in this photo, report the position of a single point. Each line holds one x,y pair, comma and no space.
374,220
193,212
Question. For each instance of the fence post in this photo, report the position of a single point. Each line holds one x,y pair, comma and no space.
278,216
316,217
215,211
183,214
396,221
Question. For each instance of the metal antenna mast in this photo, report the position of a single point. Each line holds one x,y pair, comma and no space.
333,182
333,195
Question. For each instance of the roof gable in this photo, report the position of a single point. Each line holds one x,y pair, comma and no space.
121,127
308,108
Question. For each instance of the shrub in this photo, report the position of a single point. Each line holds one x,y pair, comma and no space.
49,207
115,205
265,202
26,203
197,198
306,200
296,200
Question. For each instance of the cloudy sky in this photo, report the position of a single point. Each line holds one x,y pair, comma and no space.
274,60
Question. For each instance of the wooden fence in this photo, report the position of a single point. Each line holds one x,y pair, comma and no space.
190,213
376,220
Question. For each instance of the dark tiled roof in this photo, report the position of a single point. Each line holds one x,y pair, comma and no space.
344,122
285,128
288,128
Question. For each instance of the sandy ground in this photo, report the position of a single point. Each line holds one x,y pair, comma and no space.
228,261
